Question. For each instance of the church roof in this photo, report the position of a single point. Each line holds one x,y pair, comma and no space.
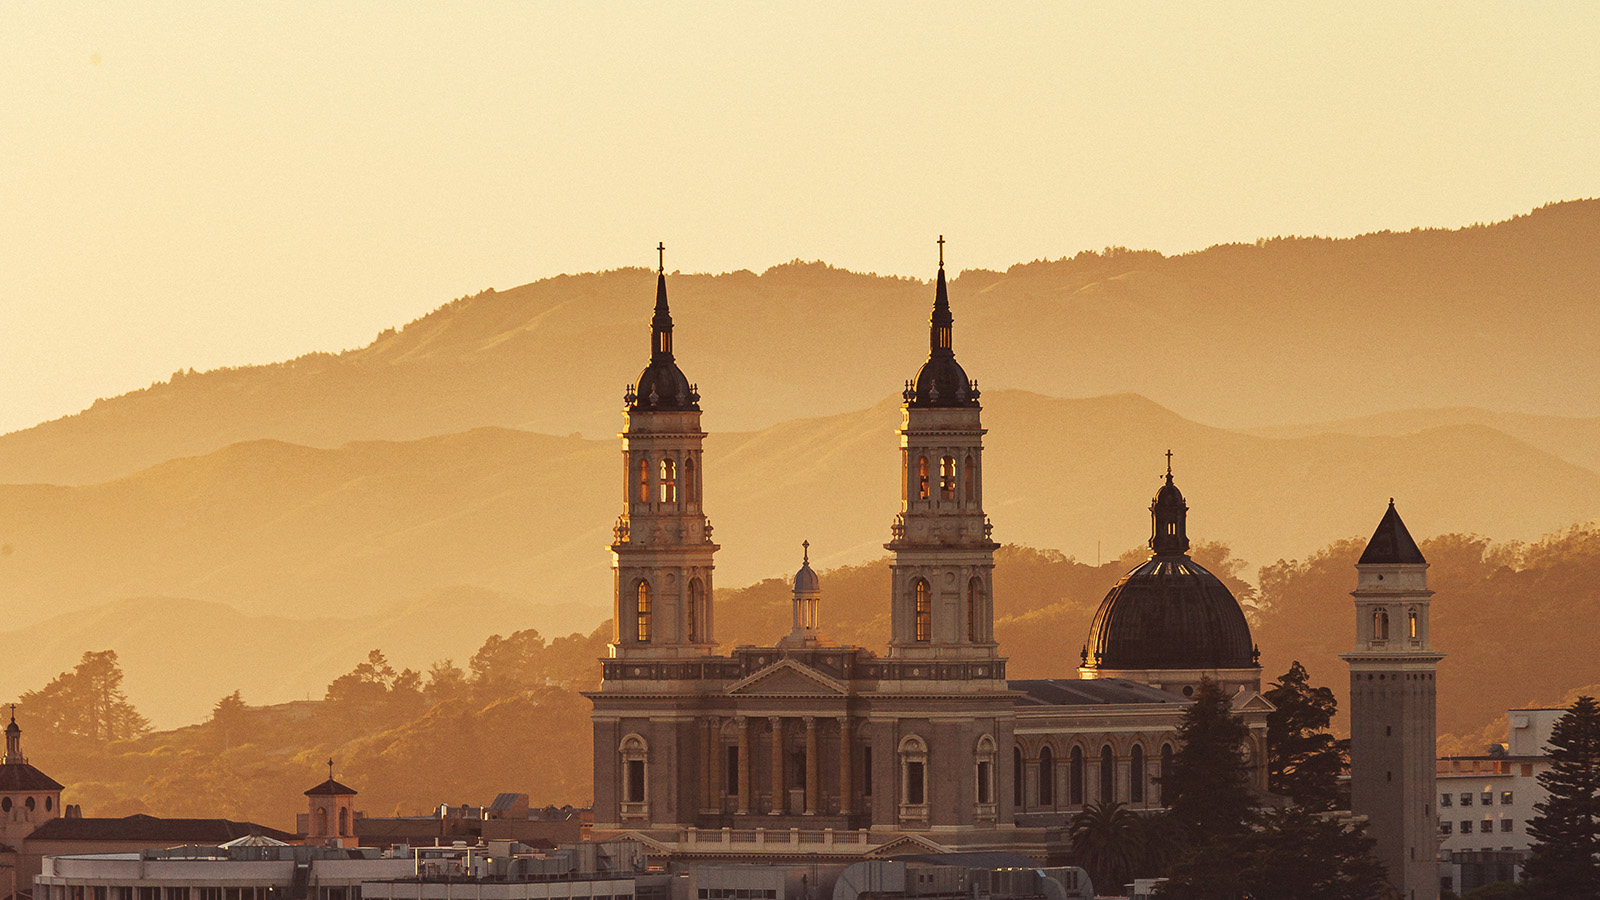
1087,692
143,828
941,381
1170,613
24,777
1391,544
331,788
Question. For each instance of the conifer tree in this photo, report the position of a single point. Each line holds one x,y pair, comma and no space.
1208,785
1304,761
1566,829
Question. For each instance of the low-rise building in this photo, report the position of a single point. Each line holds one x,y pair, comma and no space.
1485,803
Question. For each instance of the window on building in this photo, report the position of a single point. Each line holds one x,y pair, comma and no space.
1108,774
1466,798
1016,777
913,771
922,478
697,609
641,612
985,773
1445,828
644,481
1445,800
1488,798
1075,777
1506,824
669,481
344,821
1411,624
969,480
635,781
635,753
1047,777
1380,625
1136,774
1466,826
732,780
1505,798
947,478
974,603
923,611
866,770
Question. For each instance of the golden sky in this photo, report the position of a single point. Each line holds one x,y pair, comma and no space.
196,185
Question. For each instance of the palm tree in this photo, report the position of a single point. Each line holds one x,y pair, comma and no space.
1108,840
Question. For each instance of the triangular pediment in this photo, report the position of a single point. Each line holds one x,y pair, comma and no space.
789,677
1250,701
908,845
651,844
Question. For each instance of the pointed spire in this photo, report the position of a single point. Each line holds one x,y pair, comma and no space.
14,740
661,324
940,324
1391,543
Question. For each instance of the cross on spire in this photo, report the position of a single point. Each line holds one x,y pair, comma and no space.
941,251
1169,464
661,258
330,768
806,546
14,706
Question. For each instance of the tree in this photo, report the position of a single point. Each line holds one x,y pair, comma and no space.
1208,785
1566,828
228,717
87,702
1304,762
1107,840
1291,854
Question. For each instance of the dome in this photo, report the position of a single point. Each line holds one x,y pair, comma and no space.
806,580
1170,613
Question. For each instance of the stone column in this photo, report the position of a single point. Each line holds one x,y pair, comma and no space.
813,775
778,787
744,765
846,766
708,766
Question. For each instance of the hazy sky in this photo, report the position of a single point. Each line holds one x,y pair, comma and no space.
218,184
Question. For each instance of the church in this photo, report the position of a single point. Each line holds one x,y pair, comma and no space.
809,749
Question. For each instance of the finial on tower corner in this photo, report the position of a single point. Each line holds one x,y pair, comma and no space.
941,251
661,258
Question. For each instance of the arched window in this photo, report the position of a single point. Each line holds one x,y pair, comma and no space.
644,481
322,820
1108,774
696,611
974,603
635,754
641,613
969,479
947,478
1016,777
923,611
669,481
1075,777
691,486
913,778
29,803
1380,625
1047,777
1166,770
1136,774
344,821
984,774
1411,623
922,478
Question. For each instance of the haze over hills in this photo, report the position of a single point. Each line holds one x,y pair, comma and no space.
292,533
1282,330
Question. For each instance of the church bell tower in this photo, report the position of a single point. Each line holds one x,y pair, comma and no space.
1392,709
943,565
662,549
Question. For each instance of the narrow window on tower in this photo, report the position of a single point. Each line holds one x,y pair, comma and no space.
733,771
923,611
644,481
1411,624
922,478
669,481
969,480
691,487
1380,625
947,478
697,609
1165,771
641,613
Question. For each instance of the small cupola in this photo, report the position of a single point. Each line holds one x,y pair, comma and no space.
807,628
1169,515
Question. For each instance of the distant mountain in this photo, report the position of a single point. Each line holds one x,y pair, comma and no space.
273,529
1575,440
181,656
1282,330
